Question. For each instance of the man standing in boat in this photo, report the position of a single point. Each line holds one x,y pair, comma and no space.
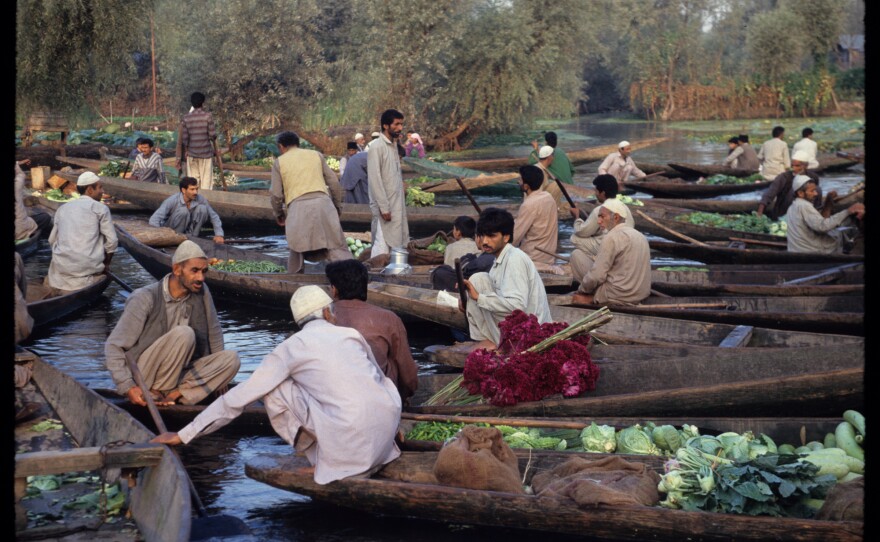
620,164
809,230
307,201
778,197
187,211
83,238
382,329
512,283
323,392
536,230
621,272
390,228
588,234
171,330
196,141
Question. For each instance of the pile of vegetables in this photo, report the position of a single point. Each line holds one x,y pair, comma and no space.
89,503
333,163
730,179
629,200
242,266
751,222
416,197
231,179
356,246
437,245
263,161
423,180
56,194
114,168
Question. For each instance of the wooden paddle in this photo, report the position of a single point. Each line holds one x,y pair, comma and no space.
462,289
220,164
468,194
669,230
829,275
856,191
581,213
120,282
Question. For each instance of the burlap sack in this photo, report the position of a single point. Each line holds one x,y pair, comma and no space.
610,480
478,458
419,255
845,502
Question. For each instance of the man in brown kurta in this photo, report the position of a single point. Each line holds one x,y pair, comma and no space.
536,229
383,330
621,273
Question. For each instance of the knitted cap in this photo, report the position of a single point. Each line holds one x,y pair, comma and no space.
801,156
87,179
186,251
615,206
799,181
545,151
306,300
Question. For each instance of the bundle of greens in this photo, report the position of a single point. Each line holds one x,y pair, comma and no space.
751,223
416,197
56,194
437,245
242,266
114,168
730,179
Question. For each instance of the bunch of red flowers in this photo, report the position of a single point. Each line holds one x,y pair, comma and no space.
511,375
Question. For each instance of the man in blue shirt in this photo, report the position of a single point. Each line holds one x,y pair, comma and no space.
187,211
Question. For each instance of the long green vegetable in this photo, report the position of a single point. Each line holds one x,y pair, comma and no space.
241,266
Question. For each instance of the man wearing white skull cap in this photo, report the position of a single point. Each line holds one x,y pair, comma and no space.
620,164
324,393
808,230
776,200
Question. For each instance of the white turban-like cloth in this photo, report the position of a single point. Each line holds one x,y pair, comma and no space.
87,178
615,206
623,144
801,156
799,181
308,299
545,151
187,250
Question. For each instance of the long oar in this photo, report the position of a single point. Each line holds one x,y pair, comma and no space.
215,524
581,213
468,194
120,282
670,230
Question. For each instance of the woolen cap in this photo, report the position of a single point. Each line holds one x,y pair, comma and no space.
358,136
308,299
799,181
615,206
187,250
623,144
801,156
87,178
545,151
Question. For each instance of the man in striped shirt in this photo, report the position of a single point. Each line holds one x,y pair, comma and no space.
195,141
148,164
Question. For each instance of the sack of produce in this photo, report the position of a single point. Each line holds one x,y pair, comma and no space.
428,250
845,502
610,481
478,458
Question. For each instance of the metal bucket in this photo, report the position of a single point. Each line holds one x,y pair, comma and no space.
398,265
399,256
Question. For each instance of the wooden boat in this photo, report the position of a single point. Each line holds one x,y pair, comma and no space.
709,253
761,274
160,498
820,314
742,206
622,329
582,156
689,189
45,310
28,246
667,171
827,163
440,170
403,489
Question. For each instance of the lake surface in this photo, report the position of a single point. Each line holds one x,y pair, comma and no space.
216,463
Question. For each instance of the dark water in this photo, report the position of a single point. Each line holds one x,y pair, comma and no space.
216,463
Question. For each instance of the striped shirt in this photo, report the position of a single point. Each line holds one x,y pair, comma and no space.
149,169
197,133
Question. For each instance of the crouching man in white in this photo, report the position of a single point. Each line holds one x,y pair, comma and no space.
324,394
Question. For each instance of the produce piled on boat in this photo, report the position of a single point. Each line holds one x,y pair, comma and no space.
245,266
730,179
356,246
416,197
751,223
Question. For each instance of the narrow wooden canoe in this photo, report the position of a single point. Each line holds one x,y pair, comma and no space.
688,189
726,254
804,381
761,274
622,329
741,206
827,162
582,156
45,310
668,171
160,500
439,169
400,490
829,314
28,246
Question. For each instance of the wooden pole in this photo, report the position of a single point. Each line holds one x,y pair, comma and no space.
153,61
468,194
669,230
582,214
757,242
563,258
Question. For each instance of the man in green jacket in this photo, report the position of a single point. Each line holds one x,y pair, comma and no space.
561,166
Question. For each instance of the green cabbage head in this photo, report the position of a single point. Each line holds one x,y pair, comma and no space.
633,440
598,438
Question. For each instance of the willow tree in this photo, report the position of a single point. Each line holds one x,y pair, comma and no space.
70,55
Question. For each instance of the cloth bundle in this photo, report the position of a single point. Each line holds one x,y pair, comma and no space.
609,481
478,458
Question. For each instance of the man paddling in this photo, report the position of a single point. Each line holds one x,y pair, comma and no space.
324,394
776,200
187,212
809,230
171,330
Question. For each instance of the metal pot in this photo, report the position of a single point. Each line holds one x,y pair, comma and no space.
398,265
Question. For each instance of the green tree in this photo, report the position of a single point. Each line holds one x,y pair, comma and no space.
821,23
775,44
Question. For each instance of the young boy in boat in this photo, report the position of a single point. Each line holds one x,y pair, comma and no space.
512,283
148,165
621,272
187,212
536,230
171,330
382,329
588,235
808,230
324,394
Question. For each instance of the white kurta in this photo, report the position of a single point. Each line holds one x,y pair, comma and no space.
387,193
809,231
810,147
774,158
325,395
83,232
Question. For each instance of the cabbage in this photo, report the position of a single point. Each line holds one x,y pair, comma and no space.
688,431
633,440
598,438
706,443
666,437
736,446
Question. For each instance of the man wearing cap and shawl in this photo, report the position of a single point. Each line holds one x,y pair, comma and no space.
561,166
778,197
546,158
587,235
360,141
536,229
323,392
621,272
83,239
620,164
808,230
307,201
389,227
354,180
171,330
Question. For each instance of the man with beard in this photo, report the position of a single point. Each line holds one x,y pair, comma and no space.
512,283
171,330
536,231
387,193
779,196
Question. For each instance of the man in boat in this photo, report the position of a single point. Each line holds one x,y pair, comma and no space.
307,201
561,166
187,211
620,164
733,153
351,149
465,249
354,181
324,394
748,159
546,158
774,155
25,223
382,329
621,272
196,141
83,238
390,228
360,141
588,234
778,197
536,229
809,146
171,330
148,165
512,283
809,230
